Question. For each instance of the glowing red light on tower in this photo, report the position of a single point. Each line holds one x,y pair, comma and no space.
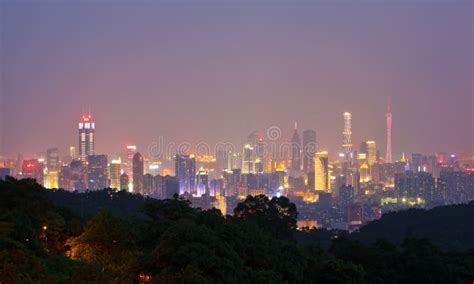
86,118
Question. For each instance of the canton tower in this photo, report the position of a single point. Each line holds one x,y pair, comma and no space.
388,157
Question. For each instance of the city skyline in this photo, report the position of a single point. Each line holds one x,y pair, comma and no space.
233,141
219,83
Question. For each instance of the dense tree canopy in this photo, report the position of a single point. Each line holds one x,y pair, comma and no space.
167,241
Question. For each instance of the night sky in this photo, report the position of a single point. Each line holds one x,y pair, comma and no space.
202,71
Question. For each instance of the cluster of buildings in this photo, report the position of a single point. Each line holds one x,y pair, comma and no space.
340,191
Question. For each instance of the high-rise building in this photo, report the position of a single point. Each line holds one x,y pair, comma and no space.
51,173
248,159
78,175
131,150
52,159
456,186
124,181
295,151
321,171
86,137
185,169
148,184
418,186
171,186
138,165
418,162
346,195
32,169
371,152
97,172
114,174
73,152
347,135
309,150
388,157
202,183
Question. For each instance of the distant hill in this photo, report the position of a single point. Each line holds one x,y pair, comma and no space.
448,227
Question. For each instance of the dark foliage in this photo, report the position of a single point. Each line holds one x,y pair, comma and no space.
124,238
447,227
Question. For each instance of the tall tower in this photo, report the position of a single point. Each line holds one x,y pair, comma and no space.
86,137
388,157
321,172
185,170
347,135
309,150
296,151
138,171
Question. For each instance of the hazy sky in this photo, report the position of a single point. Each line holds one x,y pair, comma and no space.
203,71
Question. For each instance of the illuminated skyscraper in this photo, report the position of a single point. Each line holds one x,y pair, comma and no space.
138,165
321,171
51,172
127,165
114,174
202,182
388,157
309,150
185,169
72,152
295,151
248,159
347,135
86,137
371,152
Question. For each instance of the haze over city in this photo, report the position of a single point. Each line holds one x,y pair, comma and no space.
215,72
236,141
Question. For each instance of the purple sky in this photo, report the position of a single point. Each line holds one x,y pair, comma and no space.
216,72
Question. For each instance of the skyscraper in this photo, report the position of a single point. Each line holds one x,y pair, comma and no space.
131,150
86,137
321,171
371,152
347,135
124,181
148,184
202,182
52,159
388,157
185,169
295,151
32,169
114,174
309,150
72,152
138,171
248,159
51,174
97,172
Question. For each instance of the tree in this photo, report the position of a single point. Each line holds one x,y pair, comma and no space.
106,241
277,216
